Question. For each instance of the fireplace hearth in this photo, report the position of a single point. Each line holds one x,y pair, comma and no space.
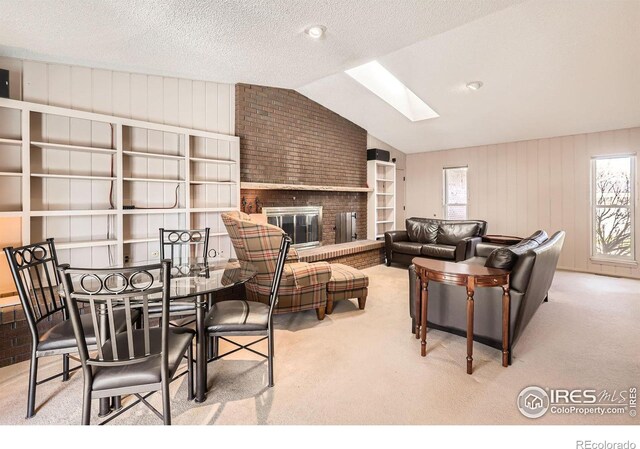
303,224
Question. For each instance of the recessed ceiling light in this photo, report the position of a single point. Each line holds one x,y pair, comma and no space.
385,85
316,31
474,85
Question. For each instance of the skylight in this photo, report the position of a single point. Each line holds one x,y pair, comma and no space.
385,85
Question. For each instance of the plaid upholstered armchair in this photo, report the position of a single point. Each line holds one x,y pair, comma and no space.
303,285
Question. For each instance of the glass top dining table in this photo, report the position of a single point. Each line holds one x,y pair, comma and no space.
195,281
198,280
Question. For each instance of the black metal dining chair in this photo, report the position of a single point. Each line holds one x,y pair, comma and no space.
34,271
182,247
136,360
248,318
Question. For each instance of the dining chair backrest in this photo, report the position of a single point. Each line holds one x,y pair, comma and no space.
34,271
105,292
275,285
184,245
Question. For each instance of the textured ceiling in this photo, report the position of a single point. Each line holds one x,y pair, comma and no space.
550,68
252,41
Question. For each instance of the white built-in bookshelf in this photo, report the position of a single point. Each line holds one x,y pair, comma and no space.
381,203
74,175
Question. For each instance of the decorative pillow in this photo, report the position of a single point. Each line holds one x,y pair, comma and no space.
506,257
452,233
421,230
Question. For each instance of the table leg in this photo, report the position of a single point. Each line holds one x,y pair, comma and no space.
201,349
423,318
506,315
417,306
470,293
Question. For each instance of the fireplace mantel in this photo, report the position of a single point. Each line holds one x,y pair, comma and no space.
271,186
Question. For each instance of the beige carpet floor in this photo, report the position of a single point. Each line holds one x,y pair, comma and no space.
363,367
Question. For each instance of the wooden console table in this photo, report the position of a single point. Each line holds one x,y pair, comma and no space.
469,276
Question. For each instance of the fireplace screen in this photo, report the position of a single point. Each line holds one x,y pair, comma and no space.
302,224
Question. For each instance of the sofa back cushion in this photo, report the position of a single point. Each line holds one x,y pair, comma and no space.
452,233
506,257
421,230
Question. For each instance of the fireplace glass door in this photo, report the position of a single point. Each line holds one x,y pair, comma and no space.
302,224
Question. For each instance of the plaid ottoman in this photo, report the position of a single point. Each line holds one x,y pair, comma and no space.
346,283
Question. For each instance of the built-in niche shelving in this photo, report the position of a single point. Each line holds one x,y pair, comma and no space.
102,185
381,203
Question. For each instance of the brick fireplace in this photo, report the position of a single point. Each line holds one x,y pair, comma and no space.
289,140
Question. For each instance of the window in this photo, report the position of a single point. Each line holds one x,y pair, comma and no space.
612,204
455,193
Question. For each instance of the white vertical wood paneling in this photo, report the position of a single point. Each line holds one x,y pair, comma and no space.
102,94
224,104
155,99
35,82
211,107
195,104
185,106
170,101
519,187
81,88
199,102
138,101
121,94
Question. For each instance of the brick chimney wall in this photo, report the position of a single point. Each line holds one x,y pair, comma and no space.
286,138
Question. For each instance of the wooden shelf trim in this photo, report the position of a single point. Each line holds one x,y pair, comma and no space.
268,186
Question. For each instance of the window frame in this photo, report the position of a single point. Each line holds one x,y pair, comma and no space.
608,259
445,191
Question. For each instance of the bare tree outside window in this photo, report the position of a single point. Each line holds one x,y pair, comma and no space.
613,207
455,193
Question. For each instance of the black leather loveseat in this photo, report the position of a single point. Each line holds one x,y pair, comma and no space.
532,264
453,240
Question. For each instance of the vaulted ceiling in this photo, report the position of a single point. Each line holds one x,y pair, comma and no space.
549,67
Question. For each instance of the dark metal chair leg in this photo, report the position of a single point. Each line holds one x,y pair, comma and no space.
166,404
117,403
190,393
86,404
270,358
65,367
33,379
216,343
210,348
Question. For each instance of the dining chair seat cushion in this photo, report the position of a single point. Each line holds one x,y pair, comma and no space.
237,315
148,371
61,337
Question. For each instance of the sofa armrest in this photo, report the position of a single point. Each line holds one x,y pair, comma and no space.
391,237
396,236
307,274
466,248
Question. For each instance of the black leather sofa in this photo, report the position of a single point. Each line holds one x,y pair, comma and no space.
453,240
533,264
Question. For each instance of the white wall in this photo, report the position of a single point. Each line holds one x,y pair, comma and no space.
520,187
172,101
